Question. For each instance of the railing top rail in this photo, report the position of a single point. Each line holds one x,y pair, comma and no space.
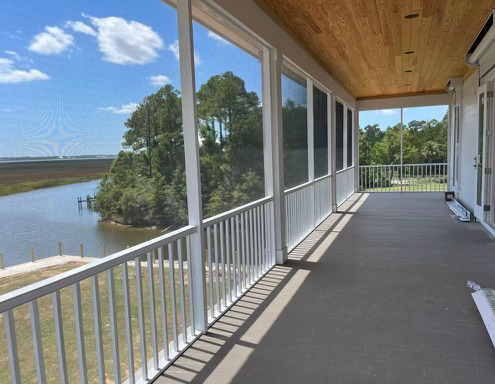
236,211
323,177
298,187
34,291
398,165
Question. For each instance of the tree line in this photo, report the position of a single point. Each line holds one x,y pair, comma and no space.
423,142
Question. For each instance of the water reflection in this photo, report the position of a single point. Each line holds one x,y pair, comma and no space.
42,218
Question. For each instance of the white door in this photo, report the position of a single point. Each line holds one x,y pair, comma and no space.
489,182
483,161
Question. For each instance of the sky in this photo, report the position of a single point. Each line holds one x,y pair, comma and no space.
390,117
71,73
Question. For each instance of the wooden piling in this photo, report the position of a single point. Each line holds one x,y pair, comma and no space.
2,265
60,248
81,248
104,250
32,253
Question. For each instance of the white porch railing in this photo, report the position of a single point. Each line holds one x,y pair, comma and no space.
239,246
345,184
238,252
307,205
172,251
408,178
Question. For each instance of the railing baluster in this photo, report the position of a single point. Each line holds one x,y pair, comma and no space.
243,235
182,293
142,333
222,258
251,248
190,284
263,212
163,303
258,241
210,271
59,338
38,347
128,323
227,245
172,297
217,282
235,265
151,292
113,326
255,242
78,320
15,373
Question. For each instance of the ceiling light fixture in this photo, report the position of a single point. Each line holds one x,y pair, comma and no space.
409,70
411,16
408,52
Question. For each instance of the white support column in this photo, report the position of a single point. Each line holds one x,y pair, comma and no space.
332,121
311,143
401,143
355,149
344,150
193,176
330,113
273,143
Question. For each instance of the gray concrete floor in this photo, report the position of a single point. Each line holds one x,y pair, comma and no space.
375,295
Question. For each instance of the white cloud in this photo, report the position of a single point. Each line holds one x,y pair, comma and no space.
174,48
79,26
14,54
159,80
53,41
10,75
124,109
126,42
387,112
214,36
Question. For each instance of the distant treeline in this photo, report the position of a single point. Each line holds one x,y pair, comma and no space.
423,142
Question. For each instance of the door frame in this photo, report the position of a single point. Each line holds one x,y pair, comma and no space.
489,154
479,159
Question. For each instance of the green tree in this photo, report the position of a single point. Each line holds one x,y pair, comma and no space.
147,184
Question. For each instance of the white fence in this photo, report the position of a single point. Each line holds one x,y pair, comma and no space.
239,248
408,178
345,184
306,206
155,287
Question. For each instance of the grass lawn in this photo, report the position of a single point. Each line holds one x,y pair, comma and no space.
414,185
23,327
433,187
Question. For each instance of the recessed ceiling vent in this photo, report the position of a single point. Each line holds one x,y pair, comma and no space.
482,42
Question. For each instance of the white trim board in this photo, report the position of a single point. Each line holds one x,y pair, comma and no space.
403,102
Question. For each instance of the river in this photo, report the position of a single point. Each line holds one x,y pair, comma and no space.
44,217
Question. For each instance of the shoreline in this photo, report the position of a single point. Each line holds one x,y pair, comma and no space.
29,186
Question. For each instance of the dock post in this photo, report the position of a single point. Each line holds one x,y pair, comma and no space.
2,265
32,253
82,249
104,250
60,248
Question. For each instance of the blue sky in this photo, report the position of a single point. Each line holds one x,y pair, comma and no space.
72,72
390,117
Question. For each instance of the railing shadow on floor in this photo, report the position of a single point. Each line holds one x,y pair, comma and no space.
227,345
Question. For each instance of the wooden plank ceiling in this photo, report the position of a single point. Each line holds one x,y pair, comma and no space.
375,51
